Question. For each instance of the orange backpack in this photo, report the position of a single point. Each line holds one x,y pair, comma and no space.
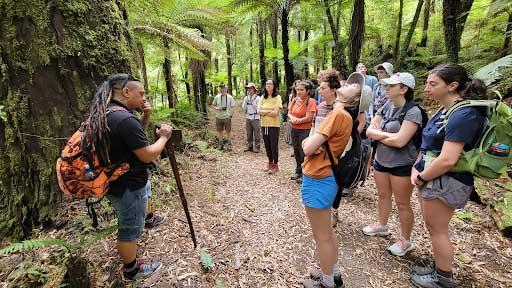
80,173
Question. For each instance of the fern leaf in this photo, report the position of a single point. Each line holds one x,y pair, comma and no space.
206,260
34,244
490,72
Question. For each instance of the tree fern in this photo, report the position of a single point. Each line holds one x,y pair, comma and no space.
34,244
490,72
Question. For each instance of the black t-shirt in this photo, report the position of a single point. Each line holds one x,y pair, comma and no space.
126,135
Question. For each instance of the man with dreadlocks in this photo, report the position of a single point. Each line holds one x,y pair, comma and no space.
119,138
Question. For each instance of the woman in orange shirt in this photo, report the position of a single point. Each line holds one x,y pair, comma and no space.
319,186
301,112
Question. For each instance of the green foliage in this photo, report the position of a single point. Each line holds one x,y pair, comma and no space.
3,115
206,260
466,216
490,72
35,244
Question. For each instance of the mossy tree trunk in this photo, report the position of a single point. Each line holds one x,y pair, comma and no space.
52,59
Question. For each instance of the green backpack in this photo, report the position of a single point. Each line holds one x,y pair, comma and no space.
498,129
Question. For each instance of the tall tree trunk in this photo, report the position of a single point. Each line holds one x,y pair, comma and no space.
356,33
167,68
324,49
408,38
426,18
64,70
274,29
229,63
142,58
216,64
508,33
288,66
184,73
396,50
260,27
198,67
251,75
338,57
306,54
455,13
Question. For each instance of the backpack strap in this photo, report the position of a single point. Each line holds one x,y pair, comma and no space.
329,153
490,104
407,106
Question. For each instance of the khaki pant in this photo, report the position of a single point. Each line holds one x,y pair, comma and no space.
252,127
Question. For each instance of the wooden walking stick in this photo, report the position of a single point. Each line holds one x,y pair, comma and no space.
169,150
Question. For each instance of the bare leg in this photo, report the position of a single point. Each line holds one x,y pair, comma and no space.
402,190
383,182
437,216
320,221
127,251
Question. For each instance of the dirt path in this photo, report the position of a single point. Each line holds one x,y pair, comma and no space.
254,226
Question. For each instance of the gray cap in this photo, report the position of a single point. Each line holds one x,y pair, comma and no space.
366,92
401,78
388,67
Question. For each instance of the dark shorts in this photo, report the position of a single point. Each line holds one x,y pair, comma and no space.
130,207
447,189
223,124
395,171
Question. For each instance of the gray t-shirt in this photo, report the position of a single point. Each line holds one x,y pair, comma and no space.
225,102
389,156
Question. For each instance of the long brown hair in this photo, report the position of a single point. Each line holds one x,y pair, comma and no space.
468,88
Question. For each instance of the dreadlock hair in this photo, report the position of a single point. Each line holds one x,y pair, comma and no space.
95,128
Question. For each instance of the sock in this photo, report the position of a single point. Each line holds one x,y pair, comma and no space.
336,269
446,274
149,216
130,265
328,280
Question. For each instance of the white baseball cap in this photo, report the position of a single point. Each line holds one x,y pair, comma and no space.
401,78
366,92
388,67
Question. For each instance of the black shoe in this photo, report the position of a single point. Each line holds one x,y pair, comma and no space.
154,221
296,177
422,268
248,149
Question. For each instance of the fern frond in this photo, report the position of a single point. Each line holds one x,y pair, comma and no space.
34,244
490,72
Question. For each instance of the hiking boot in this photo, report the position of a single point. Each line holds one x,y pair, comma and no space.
422,269
267,167
376,230
316,275
401,247
141,271
155,220
346,192
296,177
432,280
227,146
248,149
273,169
219,144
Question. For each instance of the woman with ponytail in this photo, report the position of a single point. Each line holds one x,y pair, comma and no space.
442,191
118,136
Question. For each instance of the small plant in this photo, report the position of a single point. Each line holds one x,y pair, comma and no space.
206,261
466,216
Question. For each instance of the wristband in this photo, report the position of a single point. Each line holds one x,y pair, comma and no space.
421,178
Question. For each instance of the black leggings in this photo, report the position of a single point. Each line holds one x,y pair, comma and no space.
271,140
298,135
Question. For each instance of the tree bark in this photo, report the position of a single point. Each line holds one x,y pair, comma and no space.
338,57
356,33
142,58
508,33
229,63
288,66
274,30
251,75
426,18
396,50
260,27
306,54
167,69
46,59
455,13
408,38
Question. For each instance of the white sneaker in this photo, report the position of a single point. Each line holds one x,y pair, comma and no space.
401,247
376,230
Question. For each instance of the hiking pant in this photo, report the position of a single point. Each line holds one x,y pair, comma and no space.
298,135
252,127
271,140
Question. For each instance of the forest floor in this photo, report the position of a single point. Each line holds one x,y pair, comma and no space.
253,225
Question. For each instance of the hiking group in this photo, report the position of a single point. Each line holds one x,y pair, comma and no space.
326,122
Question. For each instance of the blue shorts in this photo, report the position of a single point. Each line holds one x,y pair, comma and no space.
130,208
318,193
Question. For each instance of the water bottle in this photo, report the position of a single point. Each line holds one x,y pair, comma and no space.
89,173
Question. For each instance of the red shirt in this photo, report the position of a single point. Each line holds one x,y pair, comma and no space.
299,108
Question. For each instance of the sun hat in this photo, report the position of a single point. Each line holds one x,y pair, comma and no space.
366,92
251,85
388,67
401,78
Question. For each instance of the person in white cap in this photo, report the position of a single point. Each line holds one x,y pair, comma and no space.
319,186
394,127
384,71
252,118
